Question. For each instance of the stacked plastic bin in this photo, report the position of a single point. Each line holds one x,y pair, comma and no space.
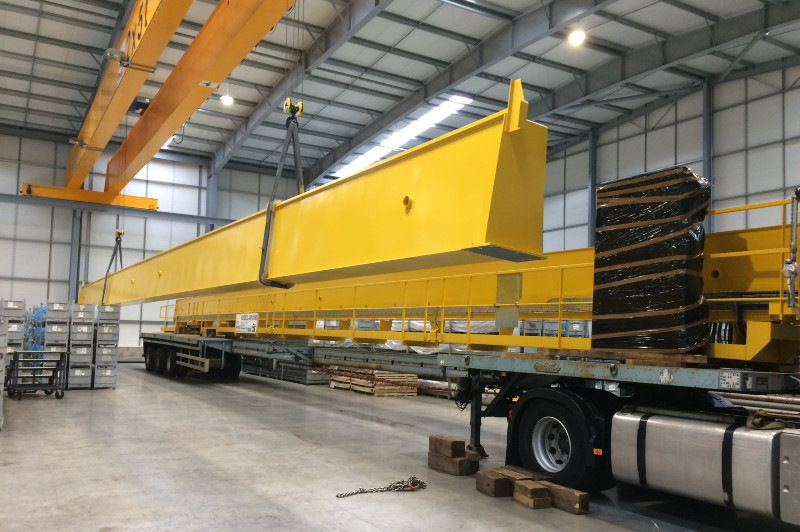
105,354
13,313
81,347
3,344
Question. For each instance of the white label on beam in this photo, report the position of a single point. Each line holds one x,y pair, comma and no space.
246,323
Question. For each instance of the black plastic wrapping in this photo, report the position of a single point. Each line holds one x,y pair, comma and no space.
648,284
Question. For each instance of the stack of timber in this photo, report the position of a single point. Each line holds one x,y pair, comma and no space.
531,489
450,455
375,382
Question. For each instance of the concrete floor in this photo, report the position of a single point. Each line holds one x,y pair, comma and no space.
255,454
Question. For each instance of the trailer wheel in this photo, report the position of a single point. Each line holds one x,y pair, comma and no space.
233,366
170,366
161,360
150,358
59,394
555,442
181,371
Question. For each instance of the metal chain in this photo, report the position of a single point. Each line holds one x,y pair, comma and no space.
412,484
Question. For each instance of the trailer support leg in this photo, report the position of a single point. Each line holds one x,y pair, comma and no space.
475,411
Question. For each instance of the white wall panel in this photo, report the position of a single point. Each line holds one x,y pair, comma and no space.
661,148
764,120
792,165
186,174
576,207
729,176
160,170
690,141
8,177
607,163
182,232
729,94
553,241
8,217
691,106
31,259
577,171
59,262
33,222
223,204
164,193
764,84
576,237
102,229
9,147
185,200
134,232
62,225
6,258
765,169
554,177
242,204
729,130
244,182
553,213
130,312
129,334
159,235
36,173
631,156
791,113
37,151
764,217
152,311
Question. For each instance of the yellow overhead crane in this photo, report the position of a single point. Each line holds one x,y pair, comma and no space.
446,234
231,31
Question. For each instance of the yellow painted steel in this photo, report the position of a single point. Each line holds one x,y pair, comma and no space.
469,196
146,34
224,259
232,30
88,196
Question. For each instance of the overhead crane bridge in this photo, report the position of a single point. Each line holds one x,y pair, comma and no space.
434,245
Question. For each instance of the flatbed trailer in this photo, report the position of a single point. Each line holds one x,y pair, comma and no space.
440,245
661,427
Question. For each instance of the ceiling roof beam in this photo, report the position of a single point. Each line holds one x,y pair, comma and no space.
683,6
640,62
342,29
485,9
511,38
44,15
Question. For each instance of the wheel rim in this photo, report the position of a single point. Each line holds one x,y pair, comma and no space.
551,444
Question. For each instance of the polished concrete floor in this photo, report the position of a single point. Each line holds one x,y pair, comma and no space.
255,454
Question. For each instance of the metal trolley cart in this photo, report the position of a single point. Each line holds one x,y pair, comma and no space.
31,371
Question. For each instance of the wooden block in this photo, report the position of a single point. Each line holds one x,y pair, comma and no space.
567,499
473,456
519,473
459,466
494,484
530,488
537,503
447,446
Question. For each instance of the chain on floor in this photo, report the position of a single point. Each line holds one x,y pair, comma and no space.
412,484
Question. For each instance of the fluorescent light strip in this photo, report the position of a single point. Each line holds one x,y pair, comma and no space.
403,136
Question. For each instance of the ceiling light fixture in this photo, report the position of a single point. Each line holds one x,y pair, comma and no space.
403,136
226,99
576,38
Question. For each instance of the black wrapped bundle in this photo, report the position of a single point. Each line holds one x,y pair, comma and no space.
648,284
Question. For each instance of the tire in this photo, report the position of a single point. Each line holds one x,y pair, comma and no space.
170,367
233,367
181,371
161,362
150,358
59,394
48,392
555,441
